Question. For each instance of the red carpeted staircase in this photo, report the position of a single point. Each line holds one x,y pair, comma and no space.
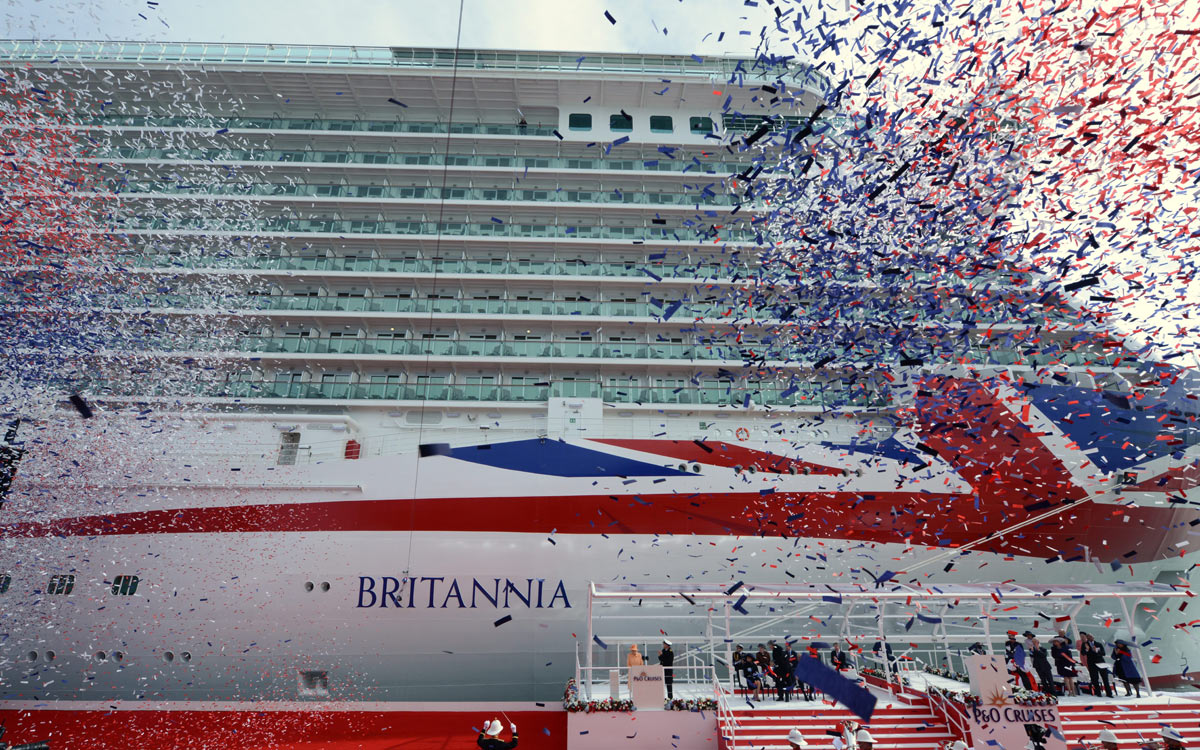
1134,723
894,725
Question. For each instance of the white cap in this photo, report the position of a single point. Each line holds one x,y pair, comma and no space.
1171,733
494,729
959,745
666,642
796,738
1106,735
864,736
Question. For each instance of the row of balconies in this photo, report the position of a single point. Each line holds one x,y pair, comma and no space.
373,193
419,159
803,395
638,350
645,231
676,267
870,310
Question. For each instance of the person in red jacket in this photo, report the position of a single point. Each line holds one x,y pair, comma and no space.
489,736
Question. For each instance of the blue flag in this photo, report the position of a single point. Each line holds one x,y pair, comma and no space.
850,694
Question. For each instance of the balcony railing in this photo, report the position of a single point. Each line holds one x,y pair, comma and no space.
412,347
677,269
624,197
869,311
715,395
406,57
429,228
507,162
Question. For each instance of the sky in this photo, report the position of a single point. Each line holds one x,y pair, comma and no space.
645,26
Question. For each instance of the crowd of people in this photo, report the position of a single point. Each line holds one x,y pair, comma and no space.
771,668
1035,668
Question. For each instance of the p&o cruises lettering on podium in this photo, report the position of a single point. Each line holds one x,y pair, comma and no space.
441,592
643,677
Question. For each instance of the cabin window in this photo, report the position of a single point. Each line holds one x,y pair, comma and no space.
125,585
621,123
579,122
61,585
661,124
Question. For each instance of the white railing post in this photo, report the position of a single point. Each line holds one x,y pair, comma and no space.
591,635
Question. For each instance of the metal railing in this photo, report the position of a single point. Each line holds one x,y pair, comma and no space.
727,723
952,714
283,157
408,57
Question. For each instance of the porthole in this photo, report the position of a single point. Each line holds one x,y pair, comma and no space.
325,585
185,655
696,468
101,656
50,655
33,656
168,656
118,656
308,585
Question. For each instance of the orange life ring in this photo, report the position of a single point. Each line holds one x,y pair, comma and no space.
742,434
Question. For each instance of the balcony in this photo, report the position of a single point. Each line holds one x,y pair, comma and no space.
428,228
638,196
809,395
421,159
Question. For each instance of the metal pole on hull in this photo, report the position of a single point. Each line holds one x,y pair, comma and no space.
591,636
1137,651
729,646
987,627
883,649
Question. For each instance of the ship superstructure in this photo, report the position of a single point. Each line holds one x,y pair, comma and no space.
486,333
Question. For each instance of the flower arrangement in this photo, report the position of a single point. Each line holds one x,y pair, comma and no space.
573,704
947,673
597,706
692,704
879,675
956,696
1025,697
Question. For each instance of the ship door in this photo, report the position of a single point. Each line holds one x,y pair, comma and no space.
289,446
573,422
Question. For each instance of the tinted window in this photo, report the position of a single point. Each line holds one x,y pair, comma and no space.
60,584
701,125
579,122
620,123
661,124
125,585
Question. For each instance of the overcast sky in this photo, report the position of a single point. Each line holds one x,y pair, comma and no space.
647,26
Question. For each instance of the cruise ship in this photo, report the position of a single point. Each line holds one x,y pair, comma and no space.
434,338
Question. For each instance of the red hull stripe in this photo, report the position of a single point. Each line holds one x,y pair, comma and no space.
277,730
902,517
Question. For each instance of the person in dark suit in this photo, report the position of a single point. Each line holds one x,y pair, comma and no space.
1092,653
489,736
1041,665
1125,668
839,658
666,657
